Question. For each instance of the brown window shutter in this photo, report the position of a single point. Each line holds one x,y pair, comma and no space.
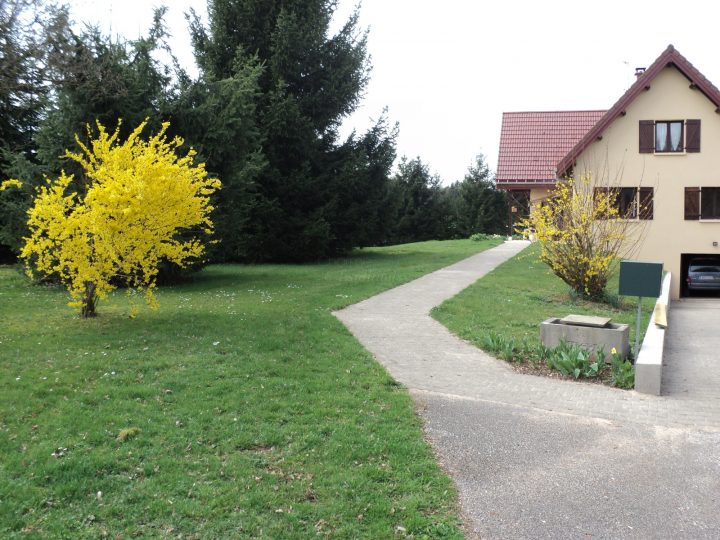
646,203
692,203
692,136
647,136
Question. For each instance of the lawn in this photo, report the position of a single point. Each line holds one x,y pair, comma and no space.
516,297
242,408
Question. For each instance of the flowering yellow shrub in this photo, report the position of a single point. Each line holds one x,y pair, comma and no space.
10,183
138,196
581,234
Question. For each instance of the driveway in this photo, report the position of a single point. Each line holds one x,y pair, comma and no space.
541,458
692,350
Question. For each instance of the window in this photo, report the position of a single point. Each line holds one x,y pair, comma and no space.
626,202
631,202
710,203
702,203
669,136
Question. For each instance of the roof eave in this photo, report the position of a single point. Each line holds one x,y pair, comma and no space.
668,57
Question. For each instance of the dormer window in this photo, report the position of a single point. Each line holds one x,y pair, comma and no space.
669,136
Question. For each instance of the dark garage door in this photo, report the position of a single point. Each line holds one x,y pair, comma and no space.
686,259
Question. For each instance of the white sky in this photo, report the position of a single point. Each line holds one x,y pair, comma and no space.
446,70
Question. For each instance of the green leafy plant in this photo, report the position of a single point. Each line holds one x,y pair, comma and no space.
539,353
573,360
493,342
508,351
623,373
502,347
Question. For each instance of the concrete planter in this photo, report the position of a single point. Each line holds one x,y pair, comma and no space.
617,336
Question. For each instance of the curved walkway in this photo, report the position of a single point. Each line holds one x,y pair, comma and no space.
424,356
542,458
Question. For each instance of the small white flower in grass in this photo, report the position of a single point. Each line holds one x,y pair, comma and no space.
216,343
59,452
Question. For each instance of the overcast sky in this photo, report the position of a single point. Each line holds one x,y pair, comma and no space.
446,70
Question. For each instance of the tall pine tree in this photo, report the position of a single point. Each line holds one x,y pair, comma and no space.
312,195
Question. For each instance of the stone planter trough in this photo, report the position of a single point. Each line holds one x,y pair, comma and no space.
592,333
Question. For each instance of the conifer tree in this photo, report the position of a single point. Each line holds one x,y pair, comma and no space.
481,207
26,31
312,195
422,211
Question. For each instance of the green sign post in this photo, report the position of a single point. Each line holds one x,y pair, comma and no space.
640,278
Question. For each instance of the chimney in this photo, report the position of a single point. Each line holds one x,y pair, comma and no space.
639,71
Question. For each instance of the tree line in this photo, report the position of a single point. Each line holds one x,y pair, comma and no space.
264,114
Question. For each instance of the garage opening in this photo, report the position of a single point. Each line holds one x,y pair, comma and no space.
700,275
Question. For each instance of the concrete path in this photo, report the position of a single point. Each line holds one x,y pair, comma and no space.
542,458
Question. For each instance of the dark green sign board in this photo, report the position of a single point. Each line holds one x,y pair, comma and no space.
640,278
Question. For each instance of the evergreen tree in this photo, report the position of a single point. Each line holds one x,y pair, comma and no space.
26,30
363,209
217,118
98,79
480,206
312,195
55,82
421,210
23,60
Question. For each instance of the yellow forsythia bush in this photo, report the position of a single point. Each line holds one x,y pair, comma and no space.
136,197
581,234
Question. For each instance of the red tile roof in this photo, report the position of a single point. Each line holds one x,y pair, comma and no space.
532,143
669,57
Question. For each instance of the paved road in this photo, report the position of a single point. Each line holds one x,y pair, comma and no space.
528,473
541,458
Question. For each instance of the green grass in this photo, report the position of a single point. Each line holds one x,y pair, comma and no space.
516,297
241,409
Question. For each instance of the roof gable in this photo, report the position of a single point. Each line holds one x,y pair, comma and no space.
669,57
531,143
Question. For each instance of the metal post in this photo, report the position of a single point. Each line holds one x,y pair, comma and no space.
637,329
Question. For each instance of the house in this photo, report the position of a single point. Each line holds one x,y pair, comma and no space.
658,146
